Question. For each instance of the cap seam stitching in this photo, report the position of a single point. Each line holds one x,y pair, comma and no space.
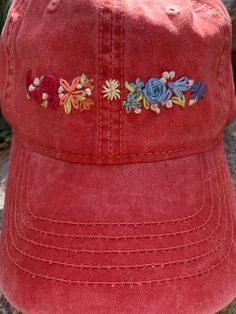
203,184
213,143
125,283
127,237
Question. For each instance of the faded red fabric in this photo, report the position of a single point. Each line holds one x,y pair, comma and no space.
109,212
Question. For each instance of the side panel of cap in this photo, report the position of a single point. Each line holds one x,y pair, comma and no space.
228,75
7,66
2,72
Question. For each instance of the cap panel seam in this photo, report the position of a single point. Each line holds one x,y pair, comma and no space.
121,69
100,80
173,150
111,65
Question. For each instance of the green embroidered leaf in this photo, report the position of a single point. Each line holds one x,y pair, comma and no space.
178,101
67,106
129,87
80,98
44,104
82,79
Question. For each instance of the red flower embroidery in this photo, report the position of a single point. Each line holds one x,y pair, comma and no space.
36,94
53,100
49,84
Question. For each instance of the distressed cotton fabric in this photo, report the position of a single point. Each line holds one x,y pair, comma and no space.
109,210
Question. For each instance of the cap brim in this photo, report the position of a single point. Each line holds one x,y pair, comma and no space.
138,238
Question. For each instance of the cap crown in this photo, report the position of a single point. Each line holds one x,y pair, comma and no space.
114,43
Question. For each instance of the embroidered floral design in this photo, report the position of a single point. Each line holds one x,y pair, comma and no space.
197,91
110,90
77,94
162,92
43,90
47,91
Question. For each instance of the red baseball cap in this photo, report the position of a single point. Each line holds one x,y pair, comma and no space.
119,197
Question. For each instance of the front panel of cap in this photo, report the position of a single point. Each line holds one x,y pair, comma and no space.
122,41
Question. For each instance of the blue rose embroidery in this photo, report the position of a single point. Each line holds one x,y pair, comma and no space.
155,91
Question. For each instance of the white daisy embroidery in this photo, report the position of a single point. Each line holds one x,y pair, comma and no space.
111,90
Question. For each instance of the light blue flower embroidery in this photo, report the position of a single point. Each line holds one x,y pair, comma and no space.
179,86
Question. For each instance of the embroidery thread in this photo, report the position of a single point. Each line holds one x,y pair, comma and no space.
165,92
50,92
110,90
47,91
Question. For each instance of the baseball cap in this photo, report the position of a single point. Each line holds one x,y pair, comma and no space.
119,197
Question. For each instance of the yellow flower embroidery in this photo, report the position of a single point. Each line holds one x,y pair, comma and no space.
110,90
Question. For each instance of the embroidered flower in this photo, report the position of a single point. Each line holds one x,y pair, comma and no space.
36,94
42,90
132,102
137,86
49,84
179,86
53,100
76,94
155,91
197,90
110,90
135,98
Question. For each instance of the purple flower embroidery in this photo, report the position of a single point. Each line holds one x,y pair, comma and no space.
198,89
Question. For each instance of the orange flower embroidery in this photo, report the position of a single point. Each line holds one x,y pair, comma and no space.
77,94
